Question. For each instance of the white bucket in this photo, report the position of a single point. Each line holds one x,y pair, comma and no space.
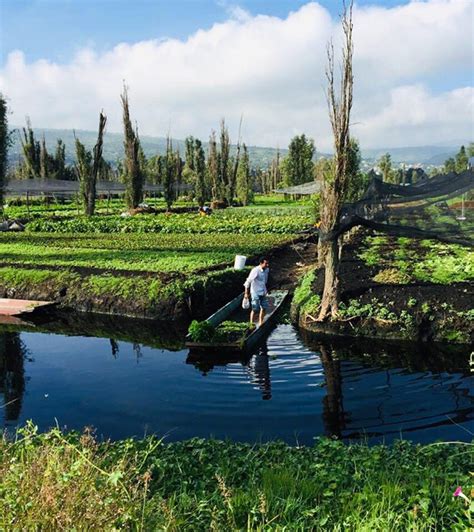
239,262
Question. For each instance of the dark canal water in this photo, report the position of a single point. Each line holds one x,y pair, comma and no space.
293,388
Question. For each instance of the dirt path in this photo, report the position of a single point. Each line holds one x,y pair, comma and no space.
287,265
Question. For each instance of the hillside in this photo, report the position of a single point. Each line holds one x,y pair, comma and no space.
260,157
113,145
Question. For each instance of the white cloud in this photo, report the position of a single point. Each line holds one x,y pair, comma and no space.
272,71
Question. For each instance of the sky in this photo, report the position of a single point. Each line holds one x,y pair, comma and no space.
189,63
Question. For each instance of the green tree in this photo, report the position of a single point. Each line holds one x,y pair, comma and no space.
5,140
201,189
461,160
449,165
244,179
385,165
133,172
213,168
470,149
357,180
298,166
169,174
31,149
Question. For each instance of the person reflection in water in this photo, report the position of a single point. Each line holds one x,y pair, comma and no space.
256,286
260,369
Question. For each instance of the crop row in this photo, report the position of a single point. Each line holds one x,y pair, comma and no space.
150,253
241,223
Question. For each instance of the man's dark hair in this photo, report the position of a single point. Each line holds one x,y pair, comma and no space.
263,259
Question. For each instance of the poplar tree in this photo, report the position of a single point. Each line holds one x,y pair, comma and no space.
201,189
225,166
31,150
4,144
336,182
169,174
133,171
244,179
213,167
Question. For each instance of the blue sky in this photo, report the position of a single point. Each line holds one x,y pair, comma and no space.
189,63
56,29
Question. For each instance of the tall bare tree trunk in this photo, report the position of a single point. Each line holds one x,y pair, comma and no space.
335,185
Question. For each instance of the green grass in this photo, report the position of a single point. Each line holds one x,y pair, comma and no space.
64,481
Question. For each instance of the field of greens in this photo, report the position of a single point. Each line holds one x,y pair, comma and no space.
133,252
146,258
404,260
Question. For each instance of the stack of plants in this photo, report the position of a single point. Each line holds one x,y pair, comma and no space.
227,332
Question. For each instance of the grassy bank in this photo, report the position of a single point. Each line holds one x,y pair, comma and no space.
57,481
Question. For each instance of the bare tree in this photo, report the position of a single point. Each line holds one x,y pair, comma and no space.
336,183
88,167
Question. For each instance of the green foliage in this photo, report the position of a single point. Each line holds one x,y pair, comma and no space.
244,187
243,222
305,301
462,159
60,481
426,261
232,331
298,166
358,180
5,141
134,174
201,331
391,276
385,165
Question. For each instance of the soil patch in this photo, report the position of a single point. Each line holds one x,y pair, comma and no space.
432,311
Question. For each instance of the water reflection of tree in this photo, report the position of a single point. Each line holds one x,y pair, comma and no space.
333,409
450,405
12,374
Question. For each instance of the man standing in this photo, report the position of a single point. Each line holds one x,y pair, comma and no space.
256,284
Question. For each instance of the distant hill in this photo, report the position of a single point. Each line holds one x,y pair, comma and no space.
429,155
259,156
113,145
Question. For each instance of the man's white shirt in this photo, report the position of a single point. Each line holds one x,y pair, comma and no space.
257,281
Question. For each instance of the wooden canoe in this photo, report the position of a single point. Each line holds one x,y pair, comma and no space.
234,307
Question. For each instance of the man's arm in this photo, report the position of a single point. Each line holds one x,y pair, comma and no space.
250,278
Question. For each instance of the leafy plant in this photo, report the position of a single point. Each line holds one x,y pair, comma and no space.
391,276
201,331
